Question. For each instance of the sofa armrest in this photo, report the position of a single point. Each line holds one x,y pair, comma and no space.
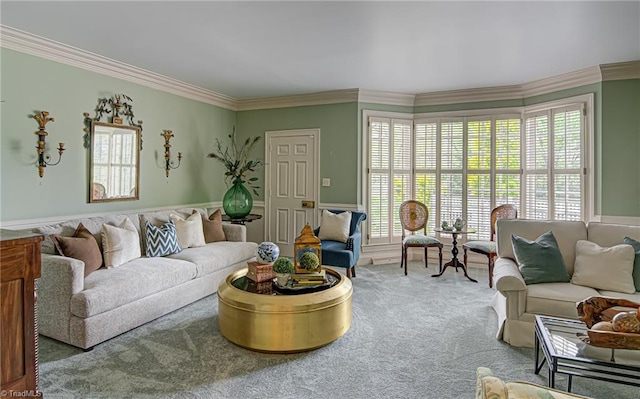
235,232
507,276
61,278
354,242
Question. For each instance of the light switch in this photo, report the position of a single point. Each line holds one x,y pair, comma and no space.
326,182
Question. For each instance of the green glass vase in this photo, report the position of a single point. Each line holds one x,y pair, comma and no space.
237,201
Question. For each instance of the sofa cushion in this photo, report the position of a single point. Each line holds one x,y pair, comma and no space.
603,268
159,218
82,246
212,227
635,297
540,261
189,230
556,299
565,232
162,240
67,229
217,255
636,262
107,289
120,244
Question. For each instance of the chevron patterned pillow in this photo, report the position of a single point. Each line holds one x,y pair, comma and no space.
163,240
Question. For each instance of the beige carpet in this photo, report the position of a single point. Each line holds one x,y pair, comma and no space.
411,337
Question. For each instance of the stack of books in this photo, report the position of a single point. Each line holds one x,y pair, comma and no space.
305,279
259,272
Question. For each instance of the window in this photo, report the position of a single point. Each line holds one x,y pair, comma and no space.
464,165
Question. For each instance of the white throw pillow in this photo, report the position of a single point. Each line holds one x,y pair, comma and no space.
190,232
335,226
120,244
604,268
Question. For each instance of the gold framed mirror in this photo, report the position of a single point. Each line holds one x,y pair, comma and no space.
115,162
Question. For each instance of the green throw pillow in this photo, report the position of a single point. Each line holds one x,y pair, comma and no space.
540,261
636,263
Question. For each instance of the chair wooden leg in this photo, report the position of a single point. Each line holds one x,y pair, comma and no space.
490,271
402,257
348,272
405,261
425,257
353,271
440,259
465,257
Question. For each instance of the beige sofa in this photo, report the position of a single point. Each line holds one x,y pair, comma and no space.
85,311
517,303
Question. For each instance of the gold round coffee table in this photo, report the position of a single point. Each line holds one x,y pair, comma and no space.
284,323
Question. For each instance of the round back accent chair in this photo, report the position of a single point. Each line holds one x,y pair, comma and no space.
413,217
488,248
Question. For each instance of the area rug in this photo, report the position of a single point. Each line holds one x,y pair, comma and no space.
411,337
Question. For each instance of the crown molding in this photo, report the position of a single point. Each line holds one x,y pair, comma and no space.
299,100
469,95
620,70
565,81
386,97
28,43
38,46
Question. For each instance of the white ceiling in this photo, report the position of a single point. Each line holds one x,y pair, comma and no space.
262,49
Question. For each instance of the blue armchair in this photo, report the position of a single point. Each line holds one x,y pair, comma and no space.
340,254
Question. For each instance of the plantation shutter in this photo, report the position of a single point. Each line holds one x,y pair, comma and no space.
478,191
402,154
554,164
567,168
390,183
508,163
451,166
425,150
536,166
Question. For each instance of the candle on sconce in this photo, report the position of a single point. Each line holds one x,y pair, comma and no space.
61,146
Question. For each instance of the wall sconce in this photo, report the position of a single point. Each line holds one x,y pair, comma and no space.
45,160
169,164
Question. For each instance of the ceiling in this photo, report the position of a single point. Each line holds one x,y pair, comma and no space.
262,49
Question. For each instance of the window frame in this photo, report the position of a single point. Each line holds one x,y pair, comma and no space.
586,102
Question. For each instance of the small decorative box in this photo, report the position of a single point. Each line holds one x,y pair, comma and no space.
260,272
265,288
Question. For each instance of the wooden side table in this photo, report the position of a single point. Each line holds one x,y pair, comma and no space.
455,262
247,219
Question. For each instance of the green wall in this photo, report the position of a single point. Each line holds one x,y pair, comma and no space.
339,148
620,152
31,84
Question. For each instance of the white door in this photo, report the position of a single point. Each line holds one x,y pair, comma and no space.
292,188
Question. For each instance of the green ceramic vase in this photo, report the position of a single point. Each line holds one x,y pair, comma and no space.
237,201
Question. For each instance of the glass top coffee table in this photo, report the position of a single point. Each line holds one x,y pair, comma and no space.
566,353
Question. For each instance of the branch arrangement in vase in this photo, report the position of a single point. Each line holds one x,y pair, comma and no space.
235,159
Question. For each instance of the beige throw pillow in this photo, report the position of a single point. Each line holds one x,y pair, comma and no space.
82,246
189,230
213,231
335,226
604,268
120,244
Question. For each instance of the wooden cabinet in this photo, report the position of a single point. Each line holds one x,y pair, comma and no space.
19,267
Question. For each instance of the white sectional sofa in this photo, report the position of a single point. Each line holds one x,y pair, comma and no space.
85,311
517,303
